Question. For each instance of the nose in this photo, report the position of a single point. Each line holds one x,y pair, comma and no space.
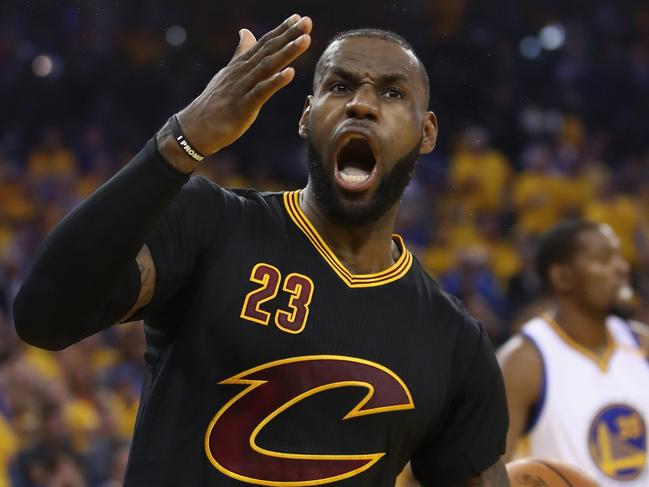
364,104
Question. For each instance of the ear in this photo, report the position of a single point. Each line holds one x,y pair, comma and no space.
428,133
303,126
562,278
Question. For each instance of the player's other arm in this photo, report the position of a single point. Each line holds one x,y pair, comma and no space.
494,476
522,370
86,276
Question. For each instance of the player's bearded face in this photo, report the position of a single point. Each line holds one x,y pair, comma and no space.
352,213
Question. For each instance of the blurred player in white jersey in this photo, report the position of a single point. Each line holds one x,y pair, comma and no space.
577,376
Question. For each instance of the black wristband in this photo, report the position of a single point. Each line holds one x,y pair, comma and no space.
182,140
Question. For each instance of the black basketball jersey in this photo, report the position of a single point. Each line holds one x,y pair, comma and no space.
272,364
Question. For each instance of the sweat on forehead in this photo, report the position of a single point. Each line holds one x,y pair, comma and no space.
385,35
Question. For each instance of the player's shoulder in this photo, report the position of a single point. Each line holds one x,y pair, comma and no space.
451,318
520,358
447,308
201,184
238,201
519,353
200,192
521,364
463,338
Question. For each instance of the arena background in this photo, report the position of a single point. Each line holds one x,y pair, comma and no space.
543,110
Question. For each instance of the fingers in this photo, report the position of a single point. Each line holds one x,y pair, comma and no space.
303,26
277,61
246,41
262,67
280,29
267,88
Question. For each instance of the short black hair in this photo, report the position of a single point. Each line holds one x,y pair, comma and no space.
371,32
559,246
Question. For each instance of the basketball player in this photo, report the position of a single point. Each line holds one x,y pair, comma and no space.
577,376
292,339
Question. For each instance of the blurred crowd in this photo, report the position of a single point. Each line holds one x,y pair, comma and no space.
529,135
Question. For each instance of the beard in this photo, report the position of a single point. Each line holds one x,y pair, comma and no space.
390,190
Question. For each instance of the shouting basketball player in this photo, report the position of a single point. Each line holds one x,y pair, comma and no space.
292,339
577,377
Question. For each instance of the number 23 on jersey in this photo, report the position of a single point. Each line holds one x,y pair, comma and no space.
298,286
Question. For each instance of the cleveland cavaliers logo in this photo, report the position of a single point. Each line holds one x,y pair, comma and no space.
231,438
618,442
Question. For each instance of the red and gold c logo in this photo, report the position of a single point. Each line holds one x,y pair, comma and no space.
230,440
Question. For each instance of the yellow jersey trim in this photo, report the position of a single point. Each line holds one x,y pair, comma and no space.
602,362
392,273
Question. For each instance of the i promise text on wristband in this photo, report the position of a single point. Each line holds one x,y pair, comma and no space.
182,140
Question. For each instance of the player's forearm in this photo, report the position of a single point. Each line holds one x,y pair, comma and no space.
85,274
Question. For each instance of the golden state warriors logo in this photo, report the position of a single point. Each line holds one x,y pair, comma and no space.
618,442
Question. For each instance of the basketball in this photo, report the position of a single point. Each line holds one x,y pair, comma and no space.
532,472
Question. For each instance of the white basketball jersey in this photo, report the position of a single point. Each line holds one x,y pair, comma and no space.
593,412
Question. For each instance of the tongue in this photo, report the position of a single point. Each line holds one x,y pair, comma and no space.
353,171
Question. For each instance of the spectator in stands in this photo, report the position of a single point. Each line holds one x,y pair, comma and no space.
479,174
538,191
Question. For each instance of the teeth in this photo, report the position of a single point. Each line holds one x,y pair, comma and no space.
354,175
353,179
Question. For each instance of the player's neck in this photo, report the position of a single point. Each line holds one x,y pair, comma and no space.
584,327
362,250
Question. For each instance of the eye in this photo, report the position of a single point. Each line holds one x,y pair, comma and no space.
393,93
339,87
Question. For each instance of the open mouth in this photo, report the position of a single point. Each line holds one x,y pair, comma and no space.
356,161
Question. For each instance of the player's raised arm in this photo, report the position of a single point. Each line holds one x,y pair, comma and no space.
232,99
86,277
